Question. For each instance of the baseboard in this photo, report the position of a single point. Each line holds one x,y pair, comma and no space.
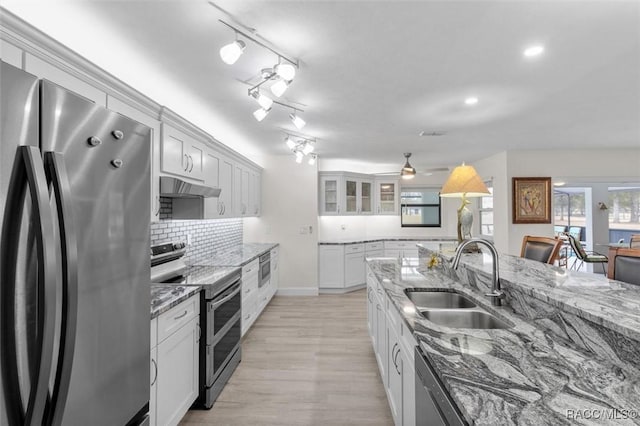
299,291
342,290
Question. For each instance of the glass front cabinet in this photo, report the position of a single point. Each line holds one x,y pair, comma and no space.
354,194
330,195
387,192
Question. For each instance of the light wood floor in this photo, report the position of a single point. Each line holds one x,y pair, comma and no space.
305,361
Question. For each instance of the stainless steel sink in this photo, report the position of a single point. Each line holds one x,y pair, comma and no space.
438,299
464,319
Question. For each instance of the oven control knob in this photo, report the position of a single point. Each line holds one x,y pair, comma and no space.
178,246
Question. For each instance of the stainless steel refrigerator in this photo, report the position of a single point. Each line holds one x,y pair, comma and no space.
74,264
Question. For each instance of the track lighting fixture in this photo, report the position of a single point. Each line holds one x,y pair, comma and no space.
281,74
297,121
232,51
301,148
261,113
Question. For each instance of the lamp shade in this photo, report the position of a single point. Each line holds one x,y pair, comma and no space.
464,181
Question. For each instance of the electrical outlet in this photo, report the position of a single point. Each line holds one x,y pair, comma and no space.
343,227
188,239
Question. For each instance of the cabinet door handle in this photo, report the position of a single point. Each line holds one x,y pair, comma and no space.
395,361
186,166
191,168
199,333
182,315
338,205
157,204
155,369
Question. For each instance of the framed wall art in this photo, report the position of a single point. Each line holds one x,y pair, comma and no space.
531,200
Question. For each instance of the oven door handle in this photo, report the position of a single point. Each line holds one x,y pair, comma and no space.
226,298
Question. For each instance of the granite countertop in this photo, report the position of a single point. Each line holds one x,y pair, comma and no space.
534,373
341,241
166,296
237,256
609,303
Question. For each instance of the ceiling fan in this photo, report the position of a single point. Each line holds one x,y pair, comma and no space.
409,172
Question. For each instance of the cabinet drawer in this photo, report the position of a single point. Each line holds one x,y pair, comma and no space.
177,316
250,268
374,246
399,245
154,333
249,289
353,248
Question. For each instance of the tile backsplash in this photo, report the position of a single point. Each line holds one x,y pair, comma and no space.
208,237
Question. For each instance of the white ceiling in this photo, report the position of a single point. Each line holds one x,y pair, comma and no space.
375,74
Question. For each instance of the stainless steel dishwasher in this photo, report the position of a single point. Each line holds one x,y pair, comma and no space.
434,406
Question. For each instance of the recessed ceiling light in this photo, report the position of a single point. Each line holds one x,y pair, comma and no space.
471,101
532,51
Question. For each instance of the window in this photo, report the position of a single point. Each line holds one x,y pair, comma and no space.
420,207
485,211
624,213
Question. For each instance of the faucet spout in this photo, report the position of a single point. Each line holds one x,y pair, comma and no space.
496,294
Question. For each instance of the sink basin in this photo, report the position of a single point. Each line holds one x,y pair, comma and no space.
439,299
464,319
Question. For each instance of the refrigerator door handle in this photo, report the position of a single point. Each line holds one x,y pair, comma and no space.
57,175
28,170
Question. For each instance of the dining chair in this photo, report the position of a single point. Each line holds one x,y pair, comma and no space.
634,241
624,265
584,256
542,249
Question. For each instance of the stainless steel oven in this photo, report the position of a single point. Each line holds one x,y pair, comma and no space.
221,352
220,314
265,269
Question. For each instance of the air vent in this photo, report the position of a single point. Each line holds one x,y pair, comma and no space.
432,133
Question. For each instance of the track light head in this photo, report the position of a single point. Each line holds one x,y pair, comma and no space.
312,159
285,71
299,157
264,101
232,51
297,121
261,113
279,87
290,143
307,148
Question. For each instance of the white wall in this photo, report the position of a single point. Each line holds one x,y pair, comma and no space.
289,203
585,168
330,227
495,168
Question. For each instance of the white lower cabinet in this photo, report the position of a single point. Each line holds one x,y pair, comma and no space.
174,363
255,297
342,266
393,344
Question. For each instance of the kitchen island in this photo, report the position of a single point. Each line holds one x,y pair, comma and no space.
571,355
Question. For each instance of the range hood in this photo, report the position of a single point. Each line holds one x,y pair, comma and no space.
177,188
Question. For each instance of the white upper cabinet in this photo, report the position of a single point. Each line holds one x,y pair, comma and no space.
346,194
330,194
387,196
358,197
226,187
181,154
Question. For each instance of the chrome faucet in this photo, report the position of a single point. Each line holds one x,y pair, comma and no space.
496,294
